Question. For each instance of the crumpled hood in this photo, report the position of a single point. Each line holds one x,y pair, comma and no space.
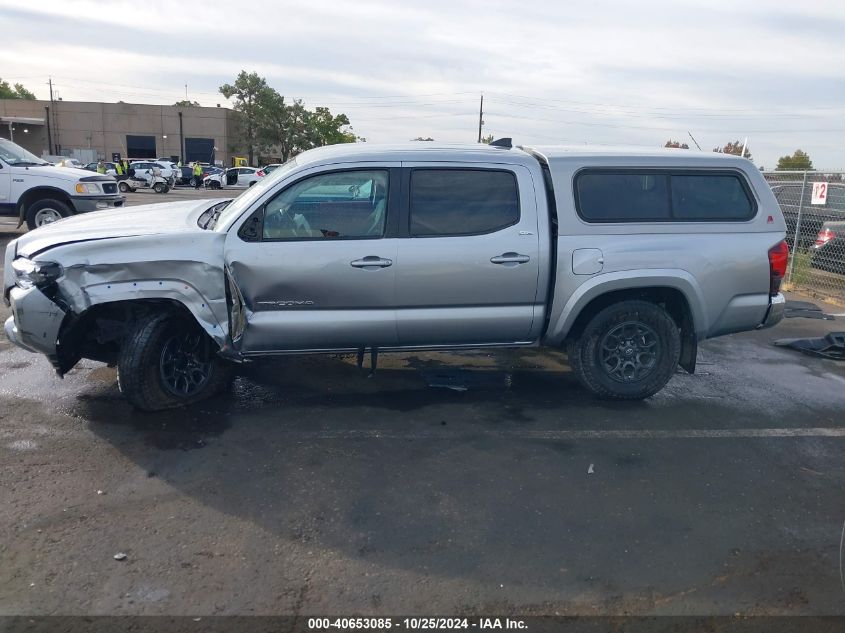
150,219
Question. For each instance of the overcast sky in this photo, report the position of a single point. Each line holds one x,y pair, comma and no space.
601,71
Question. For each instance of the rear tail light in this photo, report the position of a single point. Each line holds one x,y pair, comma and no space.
260,173
824,236
778,257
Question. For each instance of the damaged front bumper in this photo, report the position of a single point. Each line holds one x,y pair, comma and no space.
35,322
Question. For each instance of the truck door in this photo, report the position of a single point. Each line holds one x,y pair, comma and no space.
5,187
468,269
315,265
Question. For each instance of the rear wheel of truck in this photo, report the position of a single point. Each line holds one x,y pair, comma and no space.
46,212
628,351
169,361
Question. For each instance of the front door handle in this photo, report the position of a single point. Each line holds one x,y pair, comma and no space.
510,258
371,262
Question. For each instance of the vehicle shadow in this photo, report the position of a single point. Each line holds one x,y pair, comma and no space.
396,472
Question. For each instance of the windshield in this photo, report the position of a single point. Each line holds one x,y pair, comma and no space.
17,155
245,200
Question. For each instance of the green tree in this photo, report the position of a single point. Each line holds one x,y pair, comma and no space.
14,92
487,139
185,103
282,126
325,128
798,161
250,92
676,144
734,148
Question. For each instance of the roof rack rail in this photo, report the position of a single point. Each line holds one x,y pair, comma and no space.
504,143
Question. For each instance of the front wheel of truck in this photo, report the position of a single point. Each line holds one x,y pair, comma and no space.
168,361
627,351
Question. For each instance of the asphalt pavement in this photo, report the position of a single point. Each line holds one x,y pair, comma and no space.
478,482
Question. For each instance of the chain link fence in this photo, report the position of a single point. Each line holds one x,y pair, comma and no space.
813,204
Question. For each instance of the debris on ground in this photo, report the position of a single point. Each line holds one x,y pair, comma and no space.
804,309
830,346
120,556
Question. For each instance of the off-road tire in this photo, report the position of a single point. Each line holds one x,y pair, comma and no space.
584,351
124,188
32,212
139,374
160,187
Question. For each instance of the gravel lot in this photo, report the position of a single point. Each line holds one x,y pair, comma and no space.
448,483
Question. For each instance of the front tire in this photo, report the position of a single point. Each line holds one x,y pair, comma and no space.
160,187
214,184
628,351
123,187
46,212
169,361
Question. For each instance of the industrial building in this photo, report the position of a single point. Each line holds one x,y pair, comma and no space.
92,130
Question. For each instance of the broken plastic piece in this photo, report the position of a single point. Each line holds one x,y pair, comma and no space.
830,346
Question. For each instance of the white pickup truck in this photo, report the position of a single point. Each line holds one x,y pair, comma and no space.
625,259
39,192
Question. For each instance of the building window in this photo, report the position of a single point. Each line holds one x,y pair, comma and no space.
140,146
199,149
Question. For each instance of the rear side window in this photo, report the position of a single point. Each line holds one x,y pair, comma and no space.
447,202
662,196
631,197
710,198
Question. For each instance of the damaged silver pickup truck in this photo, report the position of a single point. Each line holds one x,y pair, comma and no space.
625,259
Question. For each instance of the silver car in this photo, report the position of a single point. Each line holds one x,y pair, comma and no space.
625,259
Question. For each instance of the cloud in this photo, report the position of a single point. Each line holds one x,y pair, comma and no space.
598,71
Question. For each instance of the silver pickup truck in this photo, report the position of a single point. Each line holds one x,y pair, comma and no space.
624,258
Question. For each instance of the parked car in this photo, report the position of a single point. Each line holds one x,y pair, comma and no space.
40,193
267,169
110,168
828,252
234,177
624,259
813,216
69,162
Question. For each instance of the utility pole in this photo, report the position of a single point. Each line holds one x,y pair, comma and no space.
53,149
480,116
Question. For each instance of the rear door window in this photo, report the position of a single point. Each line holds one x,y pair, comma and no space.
449,202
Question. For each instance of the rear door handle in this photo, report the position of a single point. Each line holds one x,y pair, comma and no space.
371,262
510,258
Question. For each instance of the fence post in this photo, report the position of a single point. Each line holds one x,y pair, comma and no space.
796,237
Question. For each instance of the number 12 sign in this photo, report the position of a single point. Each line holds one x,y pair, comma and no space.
819,193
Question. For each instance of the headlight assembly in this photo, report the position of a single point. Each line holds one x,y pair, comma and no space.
29,273
87,187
